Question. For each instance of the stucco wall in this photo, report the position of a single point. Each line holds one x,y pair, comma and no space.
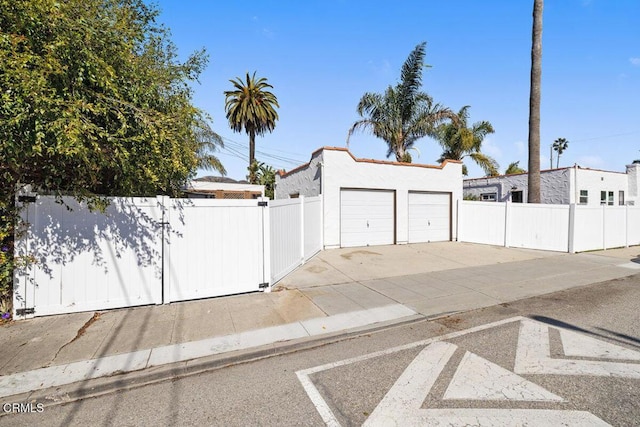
595,181
342,171
557,186
305,181
554,186
339,170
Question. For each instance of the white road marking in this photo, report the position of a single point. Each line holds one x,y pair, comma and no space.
533,357
579,345
478,379
323,407
402,404
412,387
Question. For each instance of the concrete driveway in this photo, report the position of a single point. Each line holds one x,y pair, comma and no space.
336,266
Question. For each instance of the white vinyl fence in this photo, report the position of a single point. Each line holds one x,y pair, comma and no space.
564,228
296,233
156,250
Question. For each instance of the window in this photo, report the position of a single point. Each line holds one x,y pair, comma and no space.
610,198
294,195
603,197
584,197
621,197
488,197
516,196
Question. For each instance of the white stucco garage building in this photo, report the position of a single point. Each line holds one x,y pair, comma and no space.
371,202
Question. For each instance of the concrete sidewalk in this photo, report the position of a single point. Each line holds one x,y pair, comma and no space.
337,291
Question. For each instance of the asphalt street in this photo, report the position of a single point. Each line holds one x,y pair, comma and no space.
567,358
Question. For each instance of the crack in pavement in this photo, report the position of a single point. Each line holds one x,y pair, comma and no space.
80,332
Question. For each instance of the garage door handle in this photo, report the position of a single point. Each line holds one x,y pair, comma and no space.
428,222
367,223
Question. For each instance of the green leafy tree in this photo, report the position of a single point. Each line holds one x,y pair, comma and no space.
266,175
94,102
403,113
459,141
534,104
560,145
252,108
514,168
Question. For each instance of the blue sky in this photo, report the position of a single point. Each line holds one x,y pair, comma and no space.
321,56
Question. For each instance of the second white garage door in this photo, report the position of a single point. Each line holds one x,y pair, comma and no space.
366,218
429,217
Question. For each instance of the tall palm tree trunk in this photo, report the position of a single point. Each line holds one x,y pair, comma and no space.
252,156
534,104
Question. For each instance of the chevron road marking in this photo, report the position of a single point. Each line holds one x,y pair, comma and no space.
478,379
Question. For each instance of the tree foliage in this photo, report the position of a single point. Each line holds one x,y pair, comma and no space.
560,145
514,168
403,113
251,107
458,141
264,175
95,102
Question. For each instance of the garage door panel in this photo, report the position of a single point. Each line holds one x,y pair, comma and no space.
366,218
429,217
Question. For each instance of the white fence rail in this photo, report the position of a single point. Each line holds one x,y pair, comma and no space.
296,233
89,260
157,250
214,248
564,228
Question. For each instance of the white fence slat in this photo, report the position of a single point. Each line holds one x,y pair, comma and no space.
537,226
481,222
93,260
633,225
615,227
312,226
213,248
286,242
588,231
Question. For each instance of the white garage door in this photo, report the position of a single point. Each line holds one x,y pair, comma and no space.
366,218
429,217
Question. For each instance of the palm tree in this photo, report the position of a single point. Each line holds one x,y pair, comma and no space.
207,141
402,114
252,108
514,168
560,145
534,104
459,141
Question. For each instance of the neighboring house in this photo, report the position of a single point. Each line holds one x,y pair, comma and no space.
561,186
217,187
371,202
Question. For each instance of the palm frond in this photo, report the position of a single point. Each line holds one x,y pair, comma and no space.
486,163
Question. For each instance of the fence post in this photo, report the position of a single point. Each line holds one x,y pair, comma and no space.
266,245
321,222
626,226
301,198
507,224
457,220
572,228
24,273
165,250
604,227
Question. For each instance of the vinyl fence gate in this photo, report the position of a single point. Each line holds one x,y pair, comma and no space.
158,250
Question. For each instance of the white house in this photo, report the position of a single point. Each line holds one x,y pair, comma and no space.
370,202
561,186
